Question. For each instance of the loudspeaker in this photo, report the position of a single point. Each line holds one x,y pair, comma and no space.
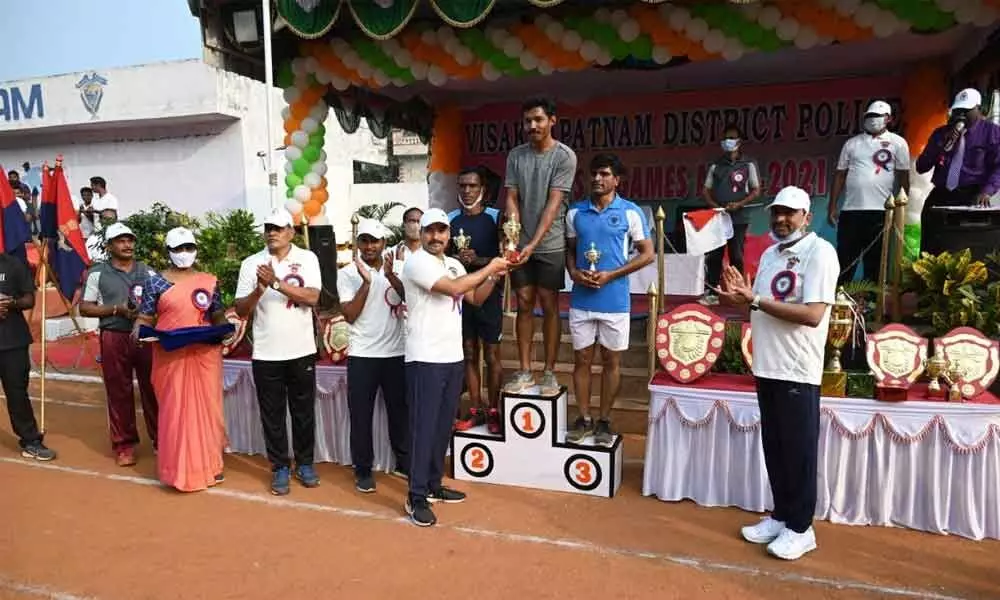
323,243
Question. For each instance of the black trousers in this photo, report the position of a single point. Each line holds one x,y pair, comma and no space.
287,386
364,378
932,223
789,419
859,241
15,364
713,260
432,391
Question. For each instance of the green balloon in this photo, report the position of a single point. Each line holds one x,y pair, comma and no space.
310,154
620,50
290,193
292,180
301,166
285,77
320,131
642,48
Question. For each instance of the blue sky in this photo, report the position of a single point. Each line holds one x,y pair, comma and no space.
52,37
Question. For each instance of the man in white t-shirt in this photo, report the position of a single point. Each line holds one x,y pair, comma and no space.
411,239
279,286
872,166
789,314
435,287
371,300
106,201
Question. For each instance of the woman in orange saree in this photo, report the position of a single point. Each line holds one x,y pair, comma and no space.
187,380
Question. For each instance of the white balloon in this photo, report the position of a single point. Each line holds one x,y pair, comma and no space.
419,69
391,46
751,11
293,152
733,50
309,125
571,41
589,50
351,59
299,66
321,218
495,35
312,180
787,29
286,112
490,73
629,30
302,193
398,82
320,111
513,47
948,6
696,29
529,62
365,70
807,38
768,17
827,3
966,13
381,79
661,55
464,56
452,45
311,65
319,168
429,37
293,206
604,58
554,31
403,58
542,20
291,95
339,83
339,46
545,68
866,14
618,17
436,76
323,77
885,25
322,156
289,167
300,139
677,17
602,15
445,33
714,42
847,8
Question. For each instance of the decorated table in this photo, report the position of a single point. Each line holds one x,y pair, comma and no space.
333,427
928,465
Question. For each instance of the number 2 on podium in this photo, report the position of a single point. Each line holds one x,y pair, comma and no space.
478,459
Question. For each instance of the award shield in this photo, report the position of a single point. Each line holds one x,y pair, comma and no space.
973,359
746,344
336,334
689,340
896,356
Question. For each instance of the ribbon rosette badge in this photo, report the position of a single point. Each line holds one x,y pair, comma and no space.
882,159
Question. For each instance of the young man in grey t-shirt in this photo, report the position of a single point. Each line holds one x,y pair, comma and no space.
539,180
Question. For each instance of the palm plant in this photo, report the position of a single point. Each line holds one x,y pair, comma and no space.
379,212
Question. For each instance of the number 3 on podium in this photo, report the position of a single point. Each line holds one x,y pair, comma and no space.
582,472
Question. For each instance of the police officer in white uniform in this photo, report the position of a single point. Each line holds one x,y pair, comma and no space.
790,304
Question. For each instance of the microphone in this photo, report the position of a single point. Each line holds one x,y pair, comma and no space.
958,128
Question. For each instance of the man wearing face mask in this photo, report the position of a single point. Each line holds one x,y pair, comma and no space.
481,325
411,239
732,182
872,165
965,156
790,302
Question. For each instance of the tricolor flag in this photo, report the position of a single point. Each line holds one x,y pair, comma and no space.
14,230
707,229
67,249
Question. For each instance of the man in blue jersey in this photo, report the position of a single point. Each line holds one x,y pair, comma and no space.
600,232
475,240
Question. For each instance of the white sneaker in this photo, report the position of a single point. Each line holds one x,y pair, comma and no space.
764,532
791,545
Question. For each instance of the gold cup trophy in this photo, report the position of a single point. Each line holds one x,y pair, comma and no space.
512,231
839,332
593,255
953,377
461,240
936,366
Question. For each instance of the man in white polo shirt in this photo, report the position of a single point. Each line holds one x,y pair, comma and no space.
279,286
435,287
371,300
872,166
789,312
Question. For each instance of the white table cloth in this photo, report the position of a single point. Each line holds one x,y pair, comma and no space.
333,425
933,466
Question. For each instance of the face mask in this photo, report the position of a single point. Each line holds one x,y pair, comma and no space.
791,237
183,260
730,145
412,230
875,124
474,204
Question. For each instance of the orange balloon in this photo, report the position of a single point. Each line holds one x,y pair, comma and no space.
323,183
288,139
292,125
319,195
299,110
312,208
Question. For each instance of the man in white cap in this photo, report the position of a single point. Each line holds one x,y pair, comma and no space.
872,166
279,286
113,294
965,156
790,304
371,300
435,286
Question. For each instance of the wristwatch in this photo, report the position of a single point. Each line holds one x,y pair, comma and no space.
276,285
755,303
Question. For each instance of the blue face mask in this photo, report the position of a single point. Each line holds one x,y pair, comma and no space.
730,145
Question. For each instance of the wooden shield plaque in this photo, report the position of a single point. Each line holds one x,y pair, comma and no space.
336,334
746,344
896,355
976,357
689,340
232,341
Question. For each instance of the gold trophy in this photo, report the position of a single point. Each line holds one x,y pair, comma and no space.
936,367
592,255
841,327
512,231
461,240
953,376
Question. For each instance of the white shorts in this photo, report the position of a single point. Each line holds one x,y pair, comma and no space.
607,329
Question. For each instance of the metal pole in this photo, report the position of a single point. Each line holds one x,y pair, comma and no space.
652,293
43,359
898,240
661,240
883,267
272,177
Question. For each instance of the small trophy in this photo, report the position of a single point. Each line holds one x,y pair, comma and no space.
936,367
512,231
461,240
841,325
953,376
592,255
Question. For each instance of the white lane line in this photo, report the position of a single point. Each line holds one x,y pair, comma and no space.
72,377
578,545
38,590
69,403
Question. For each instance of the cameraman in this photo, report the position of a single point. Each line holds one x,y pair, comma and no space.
112,294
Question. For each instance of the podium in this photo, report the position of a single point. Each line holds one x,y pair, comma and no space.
531,450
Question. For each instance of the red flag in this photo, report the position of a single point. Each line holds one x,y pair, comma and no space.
69,227
68,251
14,230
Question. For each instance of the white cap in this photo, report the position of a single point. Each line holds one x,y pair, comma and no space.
179,236
879,107
116,230
967,98
279,218
792,197
432,216
371,227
